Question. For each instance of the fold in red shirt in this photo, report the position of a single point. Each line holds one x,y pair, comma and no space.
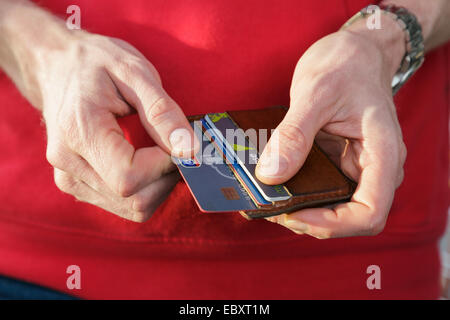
213,56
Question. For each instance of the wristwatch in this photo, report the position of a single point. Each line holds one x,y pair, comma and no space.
415,51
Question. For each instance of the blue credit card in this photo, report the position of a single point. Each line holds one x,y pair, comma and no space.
236,168
244,152
211,181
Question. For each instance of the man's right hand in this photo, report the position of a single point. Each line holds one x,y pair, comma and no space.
84,88
82,82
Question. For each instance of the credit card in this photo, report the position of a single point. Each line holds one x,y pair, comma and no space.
245,154
211,181
236,168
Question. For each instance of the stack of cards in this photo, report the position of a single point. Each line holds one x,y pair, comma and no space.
221,177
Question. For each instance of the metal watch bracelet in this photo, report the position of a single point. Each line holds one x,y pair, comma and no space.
415,51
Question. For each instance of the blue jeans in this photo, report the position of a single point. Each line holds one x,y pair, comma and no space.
12,289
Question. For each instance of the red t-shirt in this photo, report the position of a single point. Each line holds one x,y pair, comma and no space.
213,56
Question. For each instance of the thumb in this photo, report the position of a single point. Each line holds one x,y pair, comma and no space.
289,145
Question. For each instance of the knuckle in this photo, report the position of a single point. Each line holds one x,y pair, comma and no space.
140,216
68,126
64,182
292,135
375,224
113,42
60,136
403,152
324,234
140,203
134,66
161,111
401,176
126,183
53,156
125,211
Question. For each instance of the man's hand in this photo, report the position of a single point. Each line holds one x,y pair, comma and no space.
341,94
83,82
342,86
83,92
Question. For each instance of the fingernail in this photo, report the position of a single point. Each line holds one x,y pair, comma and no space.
272,166
181,142
296,225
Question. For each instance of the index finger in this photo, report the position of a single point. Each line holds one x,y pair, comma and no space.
160,115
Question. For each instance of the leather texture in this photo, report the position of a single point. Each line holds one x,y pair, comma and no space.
318,183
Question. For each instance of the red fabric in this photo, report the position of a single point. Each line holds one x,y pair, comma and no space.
212,56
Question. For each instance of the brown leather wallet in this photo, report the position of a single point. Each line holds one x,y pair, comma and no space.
318,183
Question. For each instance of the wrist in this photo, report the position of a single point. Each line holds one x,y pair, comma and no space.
30,38
389,39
